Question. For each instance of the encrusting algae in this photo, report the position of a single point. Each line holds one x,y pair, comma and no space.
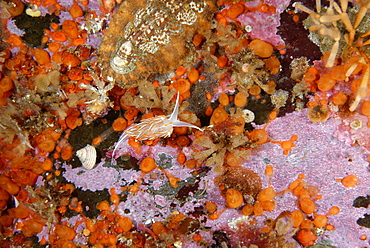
159,123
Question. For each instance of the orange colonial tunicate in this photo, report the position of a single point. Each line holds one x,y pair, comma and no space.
307,205
21,212
234,198
76,11
339,99
297,217
247,209
75,74
219,115
70,28
159,229
181,85
181,158
103,205
338,73
47,145
365,109
47,164
232,160
306,237
70,60
269,170
59,36
211,206
147,165
350,181
42,57
222,61
334,210
191,164
272,64
320,221
254,90
125,223
193,75
73,121
267,194
67,153
258,136
31,227
235,10
131,113
119,124
261,48
268,205
180,71
223,99
65,232
15,8
6,84
54,46
258,209
135,144
240,99
325,82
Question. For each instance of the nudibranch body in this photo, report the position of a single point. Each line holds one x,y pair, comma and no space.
160,126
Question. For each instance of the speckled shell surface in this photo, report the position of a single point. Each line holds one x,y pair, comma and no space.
153,36
87,156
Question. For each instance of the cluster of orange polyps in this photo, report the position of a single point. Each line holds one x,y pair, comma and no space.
326,80
104,231
236,8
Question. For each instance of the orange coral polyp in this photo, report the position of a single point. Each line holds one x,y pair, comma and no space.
235,10
6,84
70,28
306,237
47,145
340,99
219,115
193,75
232,160
59,36
234,198
65,232
325,82
125,223
365,108
76,11
119,124
223,99
147,165
259,136
261,48
240,99
267,194
181,85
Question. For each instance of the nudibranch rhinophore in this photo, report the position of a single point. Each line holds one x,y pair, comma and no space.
153,36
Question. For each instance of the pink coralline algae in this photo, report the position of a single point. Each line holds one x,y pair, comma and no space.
262,25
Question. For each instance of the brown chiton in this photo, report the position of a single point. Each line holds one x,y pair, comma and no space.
153,36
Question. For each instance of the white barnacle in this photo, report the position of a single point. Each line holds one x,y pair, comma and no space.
155,127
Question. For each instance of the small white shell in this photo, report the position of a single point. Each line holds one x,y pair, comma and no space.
248,115
87,156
